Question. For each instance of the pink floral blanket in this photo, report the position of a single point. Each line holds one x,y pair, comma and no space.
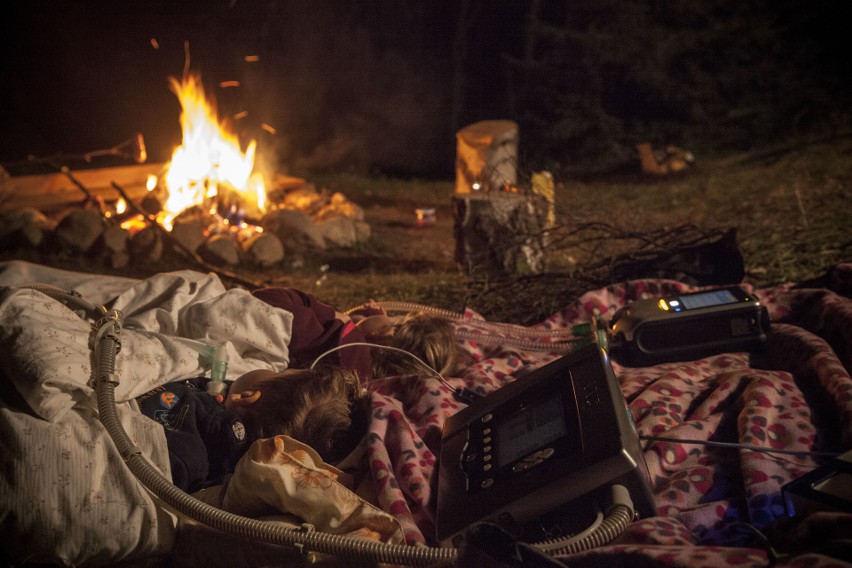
715,506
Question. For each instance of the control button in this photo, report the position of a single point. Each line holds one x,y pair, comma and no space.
486,458
486,449
486,483
520,466
486,431
486,440
486,467
486,418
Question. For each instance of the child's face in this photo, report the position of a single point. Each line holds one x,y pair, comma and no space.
247,388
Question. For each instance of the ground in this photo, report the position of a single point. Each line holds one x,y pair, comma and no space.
789,206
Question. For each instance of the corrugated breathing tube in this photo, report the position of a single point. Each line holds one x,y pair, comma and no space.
564,339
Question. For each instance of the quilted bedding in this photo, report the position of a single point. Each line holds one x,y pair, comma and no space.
715,506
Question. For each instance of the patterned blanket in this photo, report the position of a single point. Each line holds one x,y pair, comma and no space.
715,505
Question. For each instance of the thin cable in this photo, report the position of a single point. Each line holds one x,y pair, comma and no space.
438,375
736,445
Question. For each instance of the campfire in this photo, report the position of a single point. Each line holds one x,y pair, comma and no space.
210,201
209,169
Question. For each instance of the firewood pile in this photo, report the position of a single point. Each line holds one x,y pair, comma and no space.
109,214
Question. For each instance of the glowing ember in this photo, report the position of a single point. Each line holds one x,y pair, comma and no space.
209,167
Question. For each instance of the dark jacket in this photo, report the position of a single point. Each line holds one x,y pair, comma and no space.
204,438
317,329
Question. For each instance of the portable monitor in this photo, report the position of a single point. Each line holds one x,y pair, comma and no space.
538,444
687,326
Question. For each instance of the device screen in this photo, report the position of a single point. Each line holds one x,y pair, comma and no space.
532,427
702,300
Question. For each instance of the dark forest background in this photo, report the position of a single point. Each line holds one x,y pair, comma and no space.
381,86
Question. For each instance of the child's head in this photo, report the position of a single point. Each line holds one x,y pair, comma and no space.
429,337
318,407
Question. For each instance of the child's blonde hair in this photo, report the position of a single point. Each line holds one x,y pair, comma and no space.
325,408
430,337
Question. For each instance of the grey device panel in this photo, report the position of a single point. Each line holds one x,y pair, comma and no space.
537,444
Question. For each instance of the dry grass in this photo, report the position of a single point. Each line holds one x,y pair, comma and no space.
791,209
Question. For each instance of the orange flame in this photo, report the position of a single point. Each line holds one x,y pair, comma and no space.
209,160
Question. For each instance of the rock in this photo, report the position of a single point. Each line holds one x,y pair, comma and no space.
80,229
147,245
116,244
295,229
24,226
343,231
339,205
189,232
263,249
221,249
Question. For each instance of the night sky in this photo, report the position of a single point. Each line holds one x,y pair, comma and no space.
366,85
80,76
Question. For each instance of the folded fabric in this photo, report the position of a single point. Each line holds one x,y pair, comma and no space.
282,475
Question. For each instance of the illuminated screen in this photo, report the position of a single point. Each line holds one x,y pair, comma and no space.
533,427
707,299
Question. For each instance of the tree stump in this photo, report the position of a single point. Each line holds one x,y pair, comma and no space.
500,232
486,156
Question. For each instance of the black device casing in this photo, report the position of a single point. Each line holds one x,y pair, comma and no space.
601,448
644,334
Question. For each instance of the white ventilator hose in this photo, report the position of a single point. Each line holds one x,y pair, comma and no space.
305,538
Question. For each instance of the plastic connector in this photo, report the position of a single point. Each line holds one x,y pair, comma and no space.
621,498
218,370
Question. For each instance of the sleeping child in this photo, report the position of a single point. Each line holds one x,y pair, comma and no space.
318,327
324,408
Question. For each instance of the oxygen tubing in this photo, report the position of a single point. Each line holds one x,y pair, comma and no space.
525,345
306,538
399,306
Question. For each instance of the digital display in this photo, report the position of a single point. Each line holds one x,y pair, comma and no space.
703,300
532,427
